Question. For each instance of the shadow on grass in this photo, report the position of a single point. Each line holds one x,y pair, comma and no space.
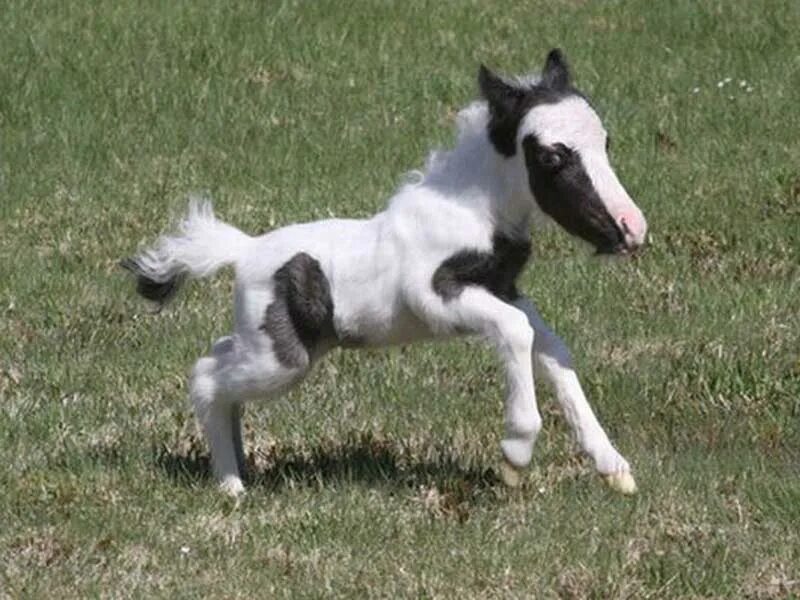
357,458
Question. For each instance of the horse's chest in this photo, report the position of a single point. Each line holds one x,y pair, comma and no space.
496,270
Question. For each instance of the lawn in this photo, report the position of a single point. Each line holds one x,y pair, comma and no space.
376,477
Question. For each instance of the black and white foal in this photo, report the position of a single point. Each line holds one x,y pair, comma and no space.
441,260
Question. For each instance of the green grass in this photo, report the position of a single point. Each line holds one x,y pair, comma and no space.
375,478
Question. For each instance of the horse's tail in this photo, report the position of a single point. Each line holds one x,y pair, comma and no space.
200,246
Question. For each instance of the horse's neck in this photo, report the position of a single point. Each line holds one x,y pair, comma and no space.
514,209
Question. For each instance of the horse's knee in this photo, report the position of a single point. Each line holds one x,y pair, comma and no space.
520,335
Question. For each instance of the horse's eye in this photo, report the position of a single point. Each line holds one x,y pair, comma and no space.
552,158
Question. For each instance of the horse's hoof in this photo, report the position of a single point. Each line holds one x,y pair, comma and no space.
622,482
510,475
232,486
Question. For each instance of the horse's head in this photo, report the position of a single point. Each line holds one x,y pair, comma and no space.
555,133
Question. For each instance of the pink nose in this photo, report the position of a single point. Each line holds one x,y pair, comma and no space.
634,227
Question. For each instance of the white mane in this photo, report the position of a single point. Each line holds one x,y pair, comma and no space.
471,134
473,172
471,124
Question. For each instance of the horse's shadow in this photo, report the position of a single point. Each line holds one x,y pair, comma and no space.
356,459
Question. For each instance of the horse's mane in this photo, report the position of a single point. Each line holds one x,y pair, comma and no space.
471,135
471,124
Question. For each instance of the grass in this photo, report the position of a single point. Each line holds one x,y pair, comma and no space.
375,478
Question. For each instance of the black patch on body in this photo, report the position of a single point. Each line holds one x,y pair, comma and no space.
496,271
155,291
301,314
563,190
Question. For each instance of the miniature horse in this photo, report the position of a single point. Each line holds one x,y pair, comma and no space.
441,260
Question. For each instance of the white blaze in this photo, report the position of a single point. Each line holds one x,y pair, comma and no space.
573,123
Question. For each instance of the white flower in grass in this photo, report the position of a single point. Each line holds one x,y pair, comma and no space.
185,550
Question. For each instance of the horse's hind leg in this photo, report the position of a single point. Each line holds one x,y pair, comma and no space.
215,412
273,351
218,425
221,384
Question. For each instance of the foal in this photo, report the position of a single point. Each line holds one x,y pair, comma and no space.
441,260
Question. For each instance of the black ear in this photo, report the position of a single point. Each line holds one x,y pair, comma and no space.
556,71
501,95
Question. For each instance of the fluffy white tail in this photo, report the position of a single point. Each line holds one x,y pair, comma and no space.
200,246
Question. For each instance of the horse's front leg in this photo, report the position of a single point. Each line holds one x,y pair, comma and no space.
554,361
507,328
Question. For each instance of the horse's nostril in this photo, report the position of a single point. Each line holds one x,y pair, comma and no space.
633,228
633,232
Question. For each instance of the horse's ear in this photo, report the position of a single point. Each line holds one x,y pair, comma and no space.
556,73
501,95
